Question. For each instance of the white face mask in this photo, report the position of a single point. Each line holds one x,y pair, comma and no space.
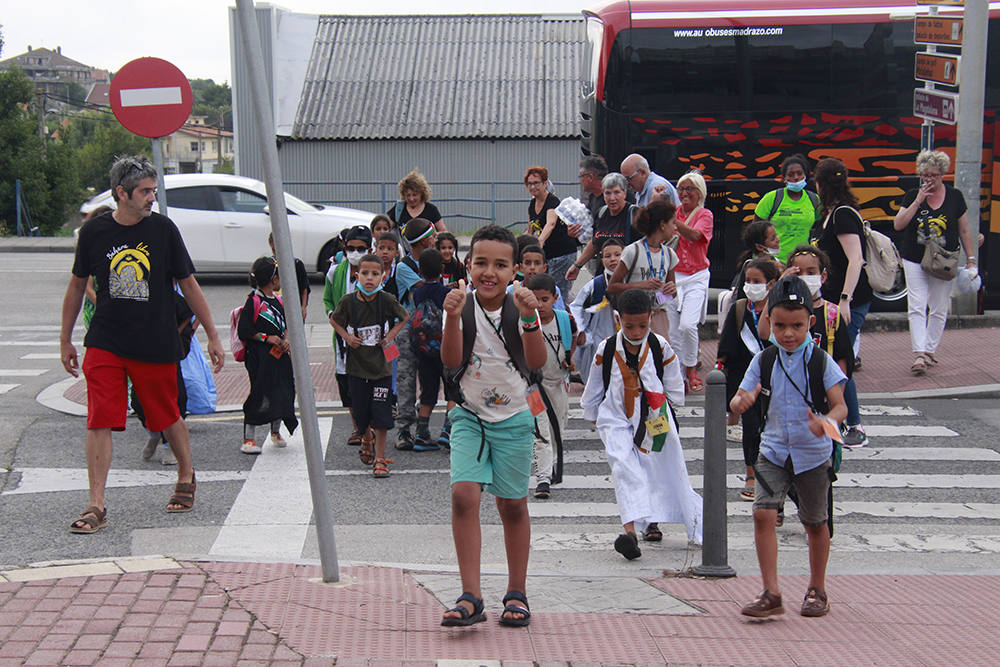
773,252
354,256
814,283
755,291
638,342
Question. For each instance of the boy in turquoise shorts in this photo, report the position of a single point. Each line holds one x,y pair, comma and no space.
491,345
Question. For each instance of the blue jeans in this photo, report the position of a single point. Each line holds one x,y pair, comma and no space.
858,315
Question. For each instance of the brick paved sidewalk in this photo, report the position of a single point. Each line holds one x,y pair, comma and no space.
222,613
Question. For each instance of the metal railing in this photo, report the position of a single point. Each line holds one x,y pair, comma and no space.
465,205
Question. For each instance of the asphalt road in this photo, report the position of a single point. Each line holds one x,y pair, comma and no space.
925,496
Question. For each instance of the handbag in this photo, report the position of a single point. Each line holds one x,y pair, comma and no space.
937,261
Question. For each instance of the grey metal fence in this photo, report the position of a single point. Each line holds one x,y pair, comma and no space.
465,205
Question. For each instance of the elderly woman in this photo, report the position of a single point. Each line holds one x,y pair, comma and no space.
792,210
694,228
415,194
841,236
614,220
556,238
934,211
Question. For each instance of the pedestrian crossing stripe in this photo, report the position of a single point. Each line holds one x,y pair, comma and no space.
850,455
698,412
895,510
23,372
4,388
872,430
851,481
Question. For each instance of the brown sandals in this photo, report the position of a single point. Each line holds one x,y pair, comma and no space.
94,518
183,496
367,451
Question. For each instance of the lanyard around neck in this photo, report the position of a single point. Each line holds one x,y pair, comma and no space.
662,274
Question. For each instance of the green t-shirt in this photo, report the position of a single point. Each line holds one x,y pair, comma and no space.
792,221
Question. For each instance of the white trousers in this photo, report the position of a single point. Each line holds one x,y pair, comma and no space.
543,460
927,300
686,312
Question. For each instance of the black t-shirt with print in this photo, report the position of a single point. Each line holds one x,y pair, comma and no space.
559,242
134,268
845,220
452,272
941,221
610,226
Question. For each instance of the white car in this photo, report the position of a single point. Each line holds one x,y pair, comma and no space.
224,222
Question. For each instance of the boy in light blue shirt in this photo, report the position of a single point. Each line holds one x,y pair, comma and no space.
795,447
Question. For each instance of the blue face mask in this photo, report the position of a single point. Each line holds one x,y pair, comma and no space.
361,288
803,345
797,186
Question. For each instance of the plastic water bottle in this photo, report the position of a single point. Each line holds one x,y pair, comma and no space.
572,211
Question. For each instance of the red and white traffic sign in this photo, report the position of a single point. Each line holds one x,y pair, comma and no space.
151,97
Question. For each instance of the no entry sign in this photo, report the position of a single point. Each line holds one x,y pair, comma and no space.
150,97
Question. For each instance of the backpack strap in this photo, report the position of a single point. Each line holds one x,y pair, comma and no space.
510,326
600,286
565,330
399,211
740,311
767,359
817,205
657,351
815,370
607,357
779,194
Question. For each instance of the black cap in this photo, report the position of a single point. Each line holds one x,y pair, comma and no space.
791,292
359,232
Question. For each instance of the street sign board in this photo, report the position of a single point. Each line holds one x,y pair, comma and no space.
150,97
935,105
937,67
937,30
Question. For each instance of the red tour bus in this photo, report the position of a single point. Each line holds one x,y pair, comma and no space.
731,87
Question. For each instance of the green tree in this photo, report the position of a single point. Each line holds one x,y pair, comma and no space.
95,139
213,100
224,166
46,172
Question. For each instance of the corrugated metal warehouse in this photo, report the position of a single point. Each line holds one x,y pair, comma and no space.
470,100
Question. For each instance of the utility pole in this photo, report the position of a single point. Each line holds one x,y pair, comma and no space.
40,112
218,135
969,148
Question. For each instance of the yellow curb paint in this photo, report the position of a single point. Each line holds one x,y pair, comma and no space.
147,564
62,571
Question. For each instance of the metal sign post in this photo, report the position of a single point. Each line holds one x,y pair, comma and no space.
161,188
286,270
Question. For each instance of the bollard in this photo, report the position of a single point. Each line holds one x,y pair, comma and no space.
715,546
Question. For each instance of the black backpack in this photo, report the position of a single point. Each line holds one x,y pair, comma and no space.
608,354
815,370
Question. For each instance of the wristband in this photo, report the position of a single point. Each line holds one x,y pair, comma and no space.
530,319
529,329
262,337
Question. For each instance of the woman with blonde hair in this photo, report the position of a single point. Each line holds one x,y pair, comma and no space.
687,309
415,195
939,214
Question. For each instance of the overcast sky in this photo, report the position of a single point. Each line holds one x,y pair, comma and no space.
192,34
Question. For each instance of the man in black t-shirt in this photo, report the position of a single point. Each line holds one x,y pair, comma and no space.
135,255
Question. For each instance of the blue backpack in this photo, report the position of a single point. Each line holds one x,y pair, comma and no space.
565,331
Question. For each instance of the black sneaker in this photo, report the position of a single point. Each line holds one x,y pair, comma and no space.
444,440
404,441
542,490
425,443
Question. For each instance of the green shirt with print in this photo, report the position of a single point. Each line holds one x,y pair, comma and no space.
792,221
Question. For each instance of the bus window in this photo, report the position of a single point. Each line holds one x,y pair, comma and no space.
872,66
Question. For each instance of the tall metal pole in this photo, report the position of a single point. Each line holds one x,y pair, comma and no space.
161,189
927,128
261,95
969,151
715,543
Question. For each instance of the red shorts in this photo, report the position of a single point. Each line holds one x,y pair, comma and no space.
107,391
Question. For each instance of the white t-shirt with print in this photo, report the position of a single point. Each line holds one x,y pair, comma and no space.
492,386
553,372
634,257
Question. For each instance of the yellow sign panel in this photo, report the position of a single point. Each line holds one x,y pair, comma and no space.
937,68
937,30
952,3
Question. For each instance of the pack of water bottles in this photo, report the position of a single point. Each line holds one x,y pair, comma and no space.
572,211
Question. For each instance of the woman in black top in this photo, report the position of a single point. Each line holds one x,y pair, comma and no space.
416,195
615,221
553,234
935,210
841,236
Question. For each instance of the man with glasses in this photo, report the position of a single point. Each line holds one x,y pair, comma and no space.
646,183
135,256
593,169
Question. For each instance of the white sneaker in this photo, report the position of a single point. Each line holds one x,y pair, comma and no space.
250,447
278,441
150,448
734,433
167,457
